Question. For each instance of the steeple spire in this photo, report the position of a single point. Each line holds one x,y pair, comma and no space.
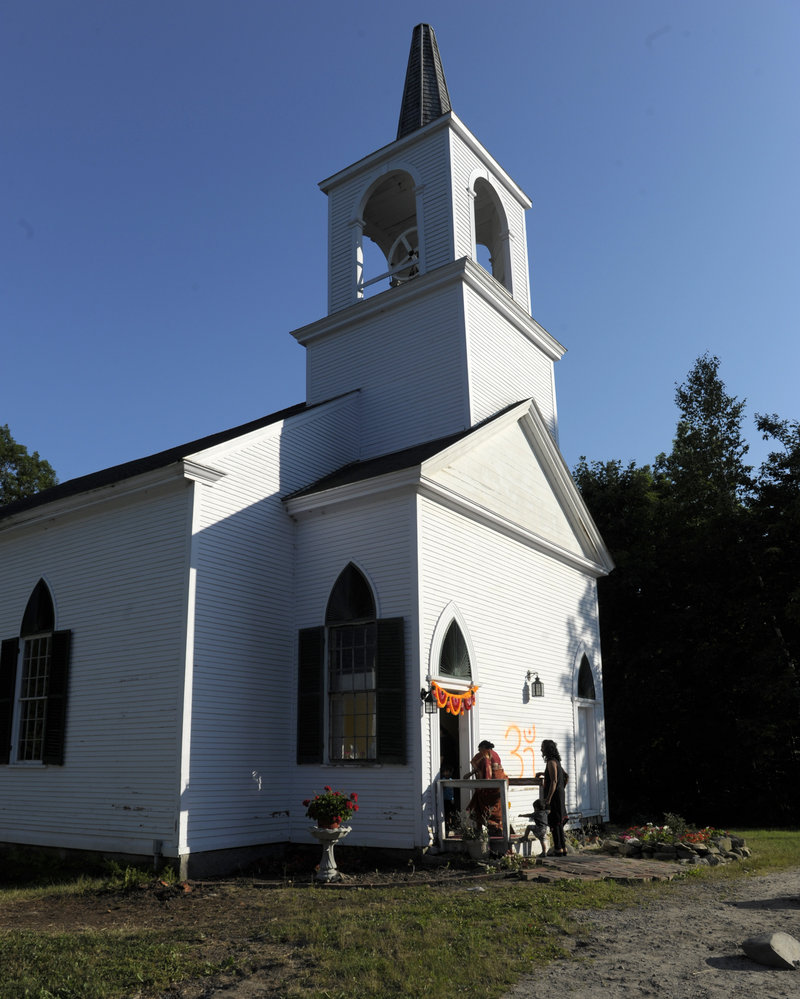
425,96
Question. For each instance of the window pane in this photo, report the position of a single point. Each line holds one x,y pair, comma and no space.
352,692
33,698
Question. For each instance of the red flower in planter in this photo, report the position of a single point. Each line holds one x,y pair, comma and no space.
330,807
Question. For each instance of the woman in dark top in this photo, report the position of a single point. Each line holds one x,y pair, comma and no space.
555,780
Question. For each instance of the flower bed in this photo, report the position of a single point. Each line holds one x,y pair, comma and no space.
690,846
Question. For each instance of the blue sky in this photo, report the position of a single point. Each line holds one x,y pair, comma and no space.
162,230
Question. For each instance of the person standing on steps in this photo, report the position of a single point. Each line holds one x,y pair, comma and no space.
555,780
485,806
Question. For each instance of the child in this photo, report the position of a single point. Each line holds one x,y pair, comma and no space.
539,825
450,810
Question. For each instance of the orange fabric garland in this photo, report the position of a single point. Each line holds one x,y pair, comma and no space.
455,703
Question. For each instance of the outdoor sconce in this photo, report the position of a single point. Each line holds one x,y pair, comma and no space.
427,698
537,687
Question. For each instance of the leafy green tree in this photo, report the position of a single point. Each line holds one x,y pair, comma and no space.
627,502
21,474
775,553
699,620
706,465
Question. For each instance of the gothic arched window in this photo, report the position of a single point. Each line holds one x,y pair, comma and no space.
586,681
352,641
351,680
454,657
33,686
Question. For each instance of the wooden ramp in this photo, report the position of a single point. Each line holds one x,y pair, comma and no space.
601,867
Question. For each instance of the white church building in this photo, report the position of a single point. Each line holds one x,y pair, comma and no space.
195,642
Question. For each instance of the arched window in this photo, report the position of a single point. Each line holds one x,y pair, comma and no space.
389,248
586,681
491,233
351,681
33,686
454,657
352,639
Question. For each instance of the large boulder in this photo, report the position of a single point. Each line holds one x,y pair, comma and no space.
776,950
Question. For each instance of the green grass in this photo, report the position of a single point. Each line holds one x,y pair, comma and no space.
450,942
91,965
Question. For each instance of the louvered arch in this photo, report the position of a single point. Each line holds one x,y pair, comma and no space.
351,598
454,657
39,616
586,681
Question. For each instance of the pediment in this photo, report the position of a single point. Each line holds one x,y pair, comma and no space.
511,470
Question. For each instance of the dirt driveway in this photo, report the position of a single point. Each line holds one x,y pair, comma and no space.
687,946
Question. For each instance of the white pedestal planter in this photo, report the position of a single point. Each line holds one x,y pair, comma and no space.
328,871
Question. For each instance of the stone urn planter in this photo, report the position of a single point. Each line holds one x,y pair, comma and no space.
329,837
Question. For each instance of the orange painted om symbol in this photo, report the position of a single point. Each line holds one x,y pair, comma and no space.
528,737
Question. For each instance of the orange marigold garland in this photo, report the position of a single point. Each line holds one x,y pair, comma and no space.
455,703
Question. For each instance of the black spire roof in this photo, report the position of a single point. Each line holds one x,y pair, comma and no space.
425,96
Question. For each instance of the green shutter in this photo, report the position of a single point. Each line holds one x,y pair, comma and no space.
56,717
391,691
9,652
310,695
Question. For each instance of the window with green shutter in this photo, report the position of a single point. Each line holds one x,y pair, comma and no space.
354,665
34,672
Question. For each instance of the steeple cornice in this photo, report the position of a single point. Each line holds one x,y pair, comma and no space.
394,149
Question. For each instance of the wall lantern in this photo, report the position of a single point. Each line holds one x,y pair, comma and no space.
427,698
537,687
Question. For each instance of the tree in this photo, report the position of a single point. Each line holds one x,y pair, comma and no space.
21,474
706,465
700,619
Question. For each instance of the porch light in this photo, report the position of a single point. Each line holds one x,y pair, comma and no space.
537,687
427,698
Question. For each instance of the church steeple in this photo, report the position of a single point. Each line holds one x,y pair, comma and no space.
428,291
425,96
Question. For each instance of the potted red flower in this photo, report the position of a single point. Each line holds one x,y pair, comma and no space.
331,808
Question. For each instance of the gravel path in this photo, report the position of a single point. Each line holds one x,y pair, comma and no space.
685,947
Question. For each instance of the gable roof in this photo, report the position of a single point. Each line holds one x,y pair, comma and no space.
118,473
396,461
424,467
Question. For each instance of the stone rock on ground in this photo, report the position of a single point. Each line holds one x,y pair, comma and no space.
776,950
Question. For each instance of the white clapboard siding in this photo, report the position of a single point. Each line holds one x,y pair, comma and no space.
505,366
118,583
523,611
378,537
409,363
427,158
502,474
237,793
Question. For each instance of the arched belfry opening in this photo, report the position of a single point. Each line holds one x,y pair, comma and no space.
491,233
388,222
